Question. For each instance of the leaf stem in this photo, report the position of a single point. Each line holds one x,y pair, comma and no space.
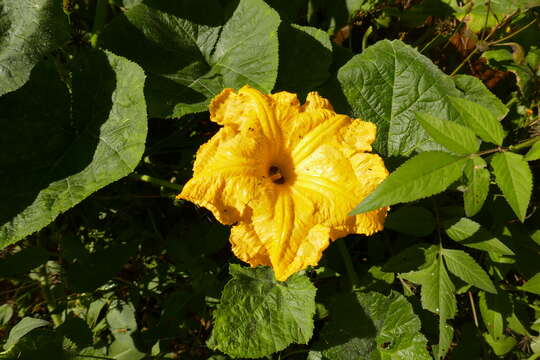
524,144
155,181
512,34
464,61
99,21
473,307
346,256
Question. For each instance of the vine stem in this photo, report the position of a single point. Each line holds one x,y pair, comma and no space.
155,181
99,21
525,143
346,256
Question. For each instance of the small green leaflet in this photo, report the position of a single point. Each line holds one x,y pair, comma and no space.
532,285
514,178
446,334
372,326
474,90
424,175
469,233
480,119
463,266
453,136
534,152
477,189
258,315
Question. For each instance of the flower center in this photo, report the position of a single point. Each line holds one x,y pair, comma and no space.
275,175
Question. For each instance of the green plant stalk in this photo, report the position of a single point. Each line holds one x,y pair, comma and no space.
99,20
464,61
155,181
526,143
351,272
48,296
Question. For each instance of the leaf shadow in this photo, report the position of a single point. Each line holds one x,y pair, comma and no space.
350,329
49,135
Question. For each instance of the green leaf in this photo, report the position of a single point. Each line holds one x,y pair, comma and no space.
22,328
463,266
471,234
494,309
372,326
501,346
533,153
313,47
446,334
191,53
480,119
6,313
437,294
387,84
454,137
411,220
514,178
477,188
121,320
63,147
258,315
29,30
532,285
424,175
94,309
474,90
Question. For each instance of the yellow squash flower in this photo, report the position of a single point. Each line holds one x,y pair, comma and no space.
285,176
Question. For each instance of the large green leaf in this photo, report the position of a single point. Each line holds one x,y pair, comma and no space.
469,233
190,52
477,189
29,29
453,136
23,327
387,84
258,315
463,266
513,176
480,119
424,175
372,326
60,146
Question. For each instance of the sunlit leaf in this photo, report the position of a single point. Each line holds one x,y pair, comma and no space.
455,137
258,315
477,189
513,176
463,266
424,175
